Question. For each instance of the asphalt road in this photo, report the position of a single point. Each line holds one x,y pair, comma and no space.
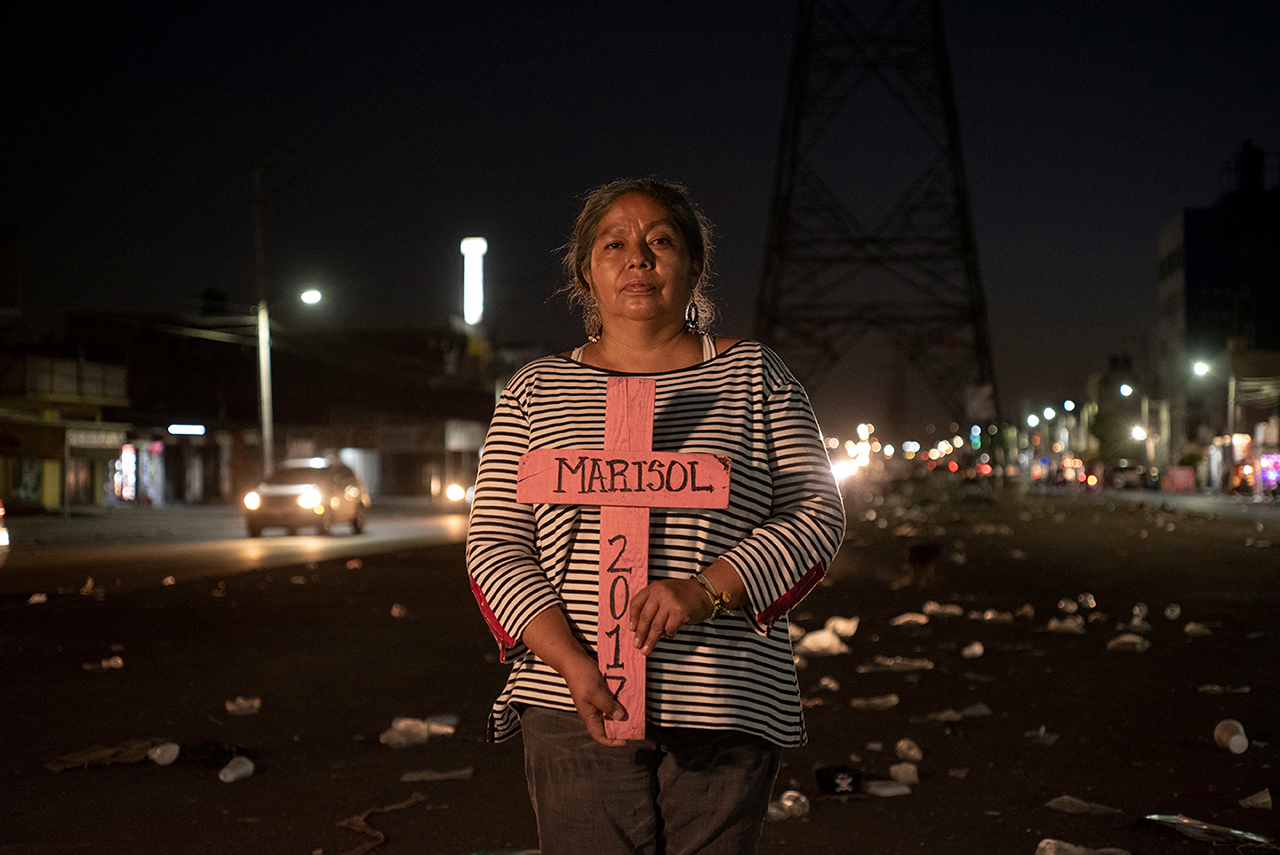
337,648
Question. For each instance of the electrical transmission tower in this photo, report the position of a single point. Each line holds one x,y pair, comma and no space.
871,246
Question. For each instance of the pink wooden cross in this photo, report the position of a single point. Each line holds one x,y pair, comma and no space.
626,479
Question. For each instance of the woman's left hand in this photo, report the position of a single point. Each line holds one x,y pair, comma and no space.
661,608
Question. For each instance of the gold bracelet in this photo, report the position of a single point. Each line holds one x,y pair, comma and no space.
719,601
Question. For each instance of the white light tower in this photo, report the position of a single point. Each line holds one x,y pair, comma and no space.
473,250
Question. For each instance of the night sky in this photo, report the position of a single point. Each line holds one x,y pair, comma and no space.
130,128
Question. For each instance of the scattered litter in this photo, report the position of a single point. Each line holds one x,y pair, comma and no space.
360,823
844,627
1071,804
1195,629
297,580
1059,847
462,774
821,642
1068,606
906,749
1001,529
959,773
164,753
1214,689
1209,833
972,651
933,608
1229,734
87,587
243,706
838,780
875,745
35,599
398,611
880,702
1017,554
1260,799
133,751
830,684
237,769
795,631
905,773
910,619
1257,543
168,581
895,663
951,714
1129,642
1040,736
355,564
792,804
1070,623
992,616
406,731
1087,600
885,788
1173,611
1025,610
113,663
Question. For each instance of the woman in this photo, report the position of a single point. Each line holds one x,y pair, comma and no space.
722,698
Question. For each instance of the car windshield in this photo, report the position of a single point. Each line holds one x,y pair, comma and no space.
298,476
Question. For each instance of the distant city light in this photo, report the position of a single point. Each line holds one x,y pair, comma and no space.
1069,406
1138,433
1033,420
1200,368
186,430
473,250
311,296
1049,413
1126,390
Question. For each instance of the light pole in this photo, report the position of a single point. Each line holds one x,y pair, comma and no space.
310,297
1229,447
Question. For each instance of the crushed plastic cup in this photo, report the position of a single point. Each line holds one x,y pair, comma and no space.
1230,734
821,642
164,753
845,627
907,749
795,802
905,773
973,651
239,768
405,731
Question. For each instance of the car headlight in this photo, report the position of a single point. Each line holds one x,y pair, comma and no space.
310,498
252,500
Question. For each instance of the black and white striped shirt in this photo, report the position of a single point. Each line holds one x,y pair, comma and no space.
783,525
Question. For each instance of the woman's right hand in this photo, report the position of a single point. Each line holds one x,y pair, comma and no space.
592,699
548,636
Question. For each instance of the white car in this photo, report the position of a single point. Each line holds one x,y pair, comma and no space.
312,492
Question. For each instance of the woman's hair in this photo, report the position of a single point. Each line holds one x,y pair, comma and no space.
693,226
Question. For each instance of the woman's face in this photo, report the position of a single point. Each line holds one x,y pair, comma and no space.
640,268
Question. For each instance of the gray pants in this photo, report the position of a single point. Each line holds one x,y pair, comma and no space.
680,791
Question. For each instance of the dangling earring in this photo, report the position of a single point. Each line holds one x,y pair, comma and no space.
691,321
